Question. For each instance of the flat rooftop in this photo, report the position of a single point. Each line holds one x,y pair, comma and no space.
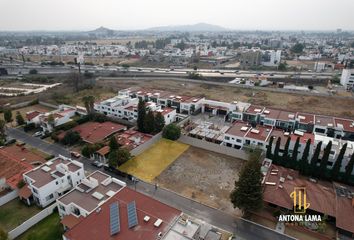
42,174
86,196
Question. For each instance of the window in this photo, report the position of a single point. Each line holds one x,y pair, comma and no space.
78,173
61,207
49,197
238,140
260,144
227,138
56,182
35,190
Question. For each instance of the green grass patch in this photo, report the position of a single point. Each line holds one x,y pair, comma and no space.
14,213
49,228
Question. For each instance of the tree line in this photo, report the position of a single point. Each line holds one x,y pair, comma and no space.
313,166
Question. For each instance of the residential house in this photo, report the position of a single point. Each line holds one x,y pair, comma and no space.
324,125
95,132
286,121
257,137
88,195
305,122
126,215
269,117
331,199
253,114
235,135
52,179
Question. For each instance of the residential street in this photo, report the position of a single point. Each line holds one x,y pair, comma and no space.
242,228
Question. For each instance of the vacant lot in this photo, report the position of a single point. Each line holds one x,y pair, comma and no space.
153,161
295,102
48,228
205,176
15,212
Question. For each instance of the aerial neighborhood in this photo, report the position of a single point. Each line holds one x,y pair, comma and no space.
178,132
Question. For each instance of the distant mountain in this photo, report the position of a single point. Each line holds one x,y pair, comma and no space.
199,27
102,31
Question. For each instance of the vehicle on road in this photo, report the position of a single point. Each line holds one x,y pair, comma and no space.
75,154
97,164
37,134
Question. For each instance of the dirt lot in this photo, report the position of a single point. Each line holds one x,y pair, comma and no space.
294,102
205,176
153,161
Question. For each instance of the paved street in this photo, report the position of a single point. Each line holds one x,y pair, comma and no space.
242,228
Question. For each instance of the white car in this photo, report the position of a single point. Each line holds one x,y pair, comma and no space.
37,134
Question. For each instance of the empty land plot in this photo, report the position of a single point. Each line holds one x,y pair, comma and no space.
152,162
205,176
291,102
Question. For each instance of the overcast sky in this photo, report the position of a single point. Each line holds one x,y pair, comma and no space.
140,14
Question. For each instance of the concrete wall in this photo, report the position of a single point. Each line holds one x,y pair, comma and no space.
8,197
136,151
32,221
48,105
214,147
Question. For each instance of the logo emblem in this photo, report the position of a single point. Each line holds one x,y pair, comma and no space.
300,201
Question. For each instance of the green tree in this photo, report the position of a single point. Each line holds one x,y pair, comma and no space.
324,160
276,157
19,119
33,71
269,148
293,163
171,131
71,137
113,144
118,157
298,48
51,120
315,158
248,192
304,162
8,115
159,122
2,129
338,164
141,115
90,149
149,122
89,102
283,66
285,158
349,169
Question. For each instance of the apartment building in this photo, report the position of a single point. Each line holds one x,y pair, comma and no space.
234,136
88,195
347,78
52,179
257,137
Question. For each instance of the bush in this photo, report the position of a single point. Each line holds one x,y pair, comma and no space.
66,126
171,131
89,149
21,184
33,71
49,157
71,137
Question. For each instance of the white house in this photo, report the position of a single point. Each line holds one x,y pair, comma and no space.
92,192
49,181
60,116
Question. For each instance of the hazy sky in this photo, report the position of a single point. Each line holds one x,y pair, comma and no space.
139,14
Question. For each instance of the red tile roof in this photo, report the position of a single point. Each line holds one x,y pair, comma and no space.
131,139
97,224
12,169
271,113
348,124
94,132
322,195
21,153
255,109
32,114
71,221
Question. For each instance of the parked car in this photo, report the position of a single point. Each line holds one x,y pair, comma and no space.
97,164
37,134
75,154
